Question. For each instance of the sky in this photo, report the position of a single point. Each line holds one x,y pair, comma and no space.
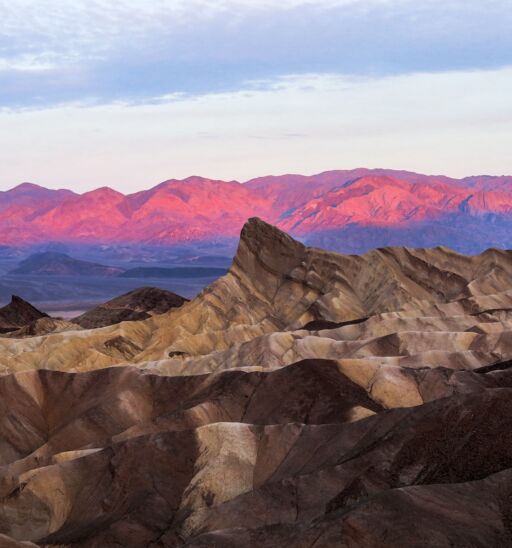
129,93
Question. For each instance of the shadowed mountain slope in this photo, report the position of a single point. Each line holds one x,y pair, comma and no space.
138,304
52,263
18,313
243,458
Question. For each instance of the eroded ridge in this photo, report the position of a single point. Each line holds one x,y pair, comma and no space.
304,399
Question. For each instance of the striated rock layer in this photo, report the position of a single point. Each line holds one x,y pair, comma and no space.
304,399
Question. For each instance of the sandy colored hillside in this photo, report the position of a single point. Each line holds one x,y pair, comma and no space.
415,300
304,399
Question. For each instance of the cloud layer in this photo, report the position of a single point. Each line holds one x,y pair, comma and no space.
456,123
128,93
137,50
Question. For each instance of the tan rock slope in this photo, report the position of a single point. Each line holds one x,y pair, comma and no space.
276,285
304,399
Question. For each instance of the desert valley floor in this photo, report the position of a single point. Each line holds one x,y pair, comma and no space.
305,399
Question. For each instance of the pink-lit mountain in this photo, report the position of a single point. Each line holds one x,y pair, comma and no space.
346,210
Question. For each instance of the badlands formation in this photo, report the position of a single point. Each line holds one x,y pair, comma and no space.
139,304
304,399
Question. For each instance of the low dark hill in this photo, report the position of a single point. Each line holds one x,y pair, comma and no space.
180,272
51,263
17,314
138,304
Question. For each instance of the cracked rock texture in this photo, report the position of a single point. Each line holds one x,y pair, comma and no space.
304,399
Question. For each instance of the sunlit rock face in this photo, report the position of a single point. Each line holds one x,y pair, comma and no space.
306,398
349,211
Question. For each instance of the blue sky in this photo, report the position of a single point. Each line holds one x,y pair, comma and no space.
239,88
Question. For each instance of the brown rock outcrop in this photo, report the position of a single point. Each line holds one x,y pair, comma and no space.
138,304
17,314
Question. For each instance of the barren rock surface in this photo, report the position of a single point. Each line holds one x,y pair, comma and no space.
139,304
304,399
18,314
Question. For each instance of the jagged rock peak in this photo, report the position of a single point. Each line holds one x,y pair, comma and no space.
19,304
258,231
271,247
18,313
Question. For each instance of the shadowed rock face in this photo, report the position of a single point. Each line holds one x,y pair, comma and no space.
238,458
304,399
138,304
18,313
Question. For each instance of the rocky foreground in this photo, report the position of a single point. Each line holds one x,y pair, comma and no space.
304,399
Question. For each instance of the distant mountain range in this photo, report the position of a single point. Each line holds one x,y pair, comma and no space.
51,263
351,210
179,272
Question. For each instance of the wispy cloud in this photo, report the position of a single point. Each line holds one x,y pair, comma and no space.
28,63
457,123
138,50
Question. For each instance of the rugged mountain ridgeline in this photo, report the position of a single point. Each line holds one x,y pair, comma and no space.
51,263
350,211
304,399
